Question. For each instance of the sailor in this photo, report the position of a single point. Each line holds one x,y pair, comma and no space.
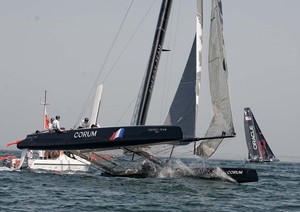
50,126
55,124
85,123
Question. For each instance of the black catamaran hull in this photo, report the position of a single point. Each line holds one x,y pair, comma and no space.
239,175
102,138
234,175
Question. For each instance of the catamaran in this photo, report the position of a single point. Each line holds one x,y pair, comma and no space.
138,139
259,150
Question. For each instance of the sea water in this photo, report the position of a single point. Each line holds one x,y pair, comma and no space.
278,189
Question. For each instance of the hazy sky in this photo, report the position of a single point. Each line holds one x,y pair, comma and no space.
62,46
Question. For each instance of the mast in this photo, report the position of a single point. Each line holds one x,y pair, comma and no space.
45,103
45,116
142,105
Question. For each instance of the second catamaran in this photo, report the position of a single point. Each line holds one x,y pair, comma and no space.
259,150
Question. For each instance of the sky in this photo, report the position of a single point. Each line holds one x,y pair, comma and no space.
67,47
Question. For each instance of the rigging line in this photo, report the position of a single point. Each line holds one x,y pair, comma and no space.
118,58
104,63
225,142
164,99
163,150
183,150
167,82
124,113
129,41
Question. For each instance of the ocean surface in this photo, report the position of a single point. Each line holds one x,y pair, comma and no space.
278,189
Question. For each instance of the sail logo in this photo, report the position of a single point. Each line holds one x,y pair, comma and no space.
247,118
117,135
154,69
253,140
157,130
229,172
85,134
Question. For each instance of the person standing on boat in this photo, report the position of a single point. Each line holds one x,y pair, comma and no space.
85,123
55,124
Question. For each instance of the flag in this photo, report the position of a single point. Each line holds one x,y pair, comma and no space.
117,134
46,120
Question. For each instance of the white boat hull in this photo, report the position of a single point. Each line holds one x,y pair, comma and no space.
61,164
